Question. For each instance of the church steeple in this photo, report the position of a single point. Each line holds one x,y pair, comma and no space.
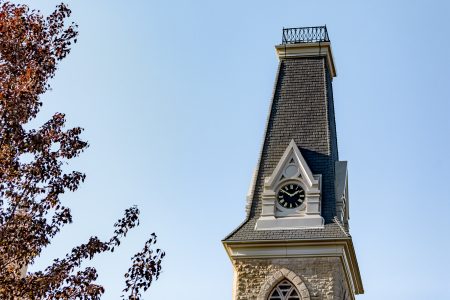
298,202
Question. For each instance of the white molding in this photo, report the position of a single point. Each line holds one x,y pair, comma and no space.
308,215
322,49
277,251
289,223
303,249
292,152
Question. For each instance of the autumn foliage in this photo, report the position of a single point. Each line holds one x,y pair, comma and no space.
32,177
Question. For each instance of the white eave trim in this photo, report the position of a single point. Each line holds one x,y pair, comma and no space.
318,49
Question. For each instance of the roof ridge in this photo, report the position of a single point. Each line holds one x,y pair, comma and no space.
341,226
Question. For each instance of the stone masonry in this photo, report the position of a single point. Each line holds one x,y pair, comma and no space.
316,278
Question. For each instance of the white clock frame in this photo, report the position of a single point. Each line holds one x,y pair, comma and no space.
307,215
281,211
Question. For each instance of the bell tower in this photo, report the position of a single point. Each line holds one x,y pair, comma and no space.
294,243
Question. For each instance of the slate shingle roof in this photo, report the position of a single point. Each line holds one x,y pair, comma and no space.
302,109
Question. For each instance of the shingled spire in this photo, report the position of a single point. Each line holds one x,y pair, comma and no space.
284,205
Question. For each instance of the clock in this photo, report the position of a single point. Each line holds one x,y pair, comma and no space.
291,196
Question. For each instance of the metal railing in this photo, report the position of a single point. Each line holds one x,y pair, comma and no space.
305,35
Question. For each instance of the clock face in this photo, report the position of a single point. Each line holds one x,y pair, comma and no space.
291,196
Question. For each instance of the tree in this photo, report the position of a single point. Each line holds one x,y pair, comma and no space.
32,177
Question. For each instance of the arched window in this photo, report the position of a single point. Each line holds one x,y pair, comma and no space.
284,291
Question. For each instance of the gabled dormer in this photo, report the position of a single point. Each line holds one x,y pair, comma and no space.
291,196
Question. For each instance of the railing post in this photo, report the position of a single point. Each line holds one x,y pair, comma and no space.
305,35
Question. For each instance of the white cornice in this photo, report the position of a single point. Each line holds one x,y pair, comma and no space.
342,248
322,49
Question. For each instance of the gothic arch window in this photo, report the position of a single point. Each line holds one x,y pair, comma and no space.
284,291
283,285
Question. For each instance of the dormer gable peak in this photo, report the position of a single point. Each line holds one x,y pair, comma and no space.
292,165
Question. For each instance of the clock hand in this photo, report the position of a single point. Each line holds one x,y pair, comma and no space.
295,193
286,193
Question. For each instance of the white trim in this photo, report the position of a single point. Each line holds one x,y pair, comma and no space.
307,215
322,49
300,250
286,251
292,152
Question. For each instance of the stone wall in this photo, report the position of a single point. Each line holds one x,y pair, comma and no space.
323,277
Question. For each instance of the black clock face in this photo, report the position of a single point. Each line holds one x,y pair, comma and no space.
291,196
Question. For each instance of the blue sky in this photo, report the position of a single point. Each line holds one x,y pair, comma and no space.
174,96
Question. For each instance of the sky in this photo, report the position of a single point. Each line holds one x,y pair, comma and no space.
174,95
